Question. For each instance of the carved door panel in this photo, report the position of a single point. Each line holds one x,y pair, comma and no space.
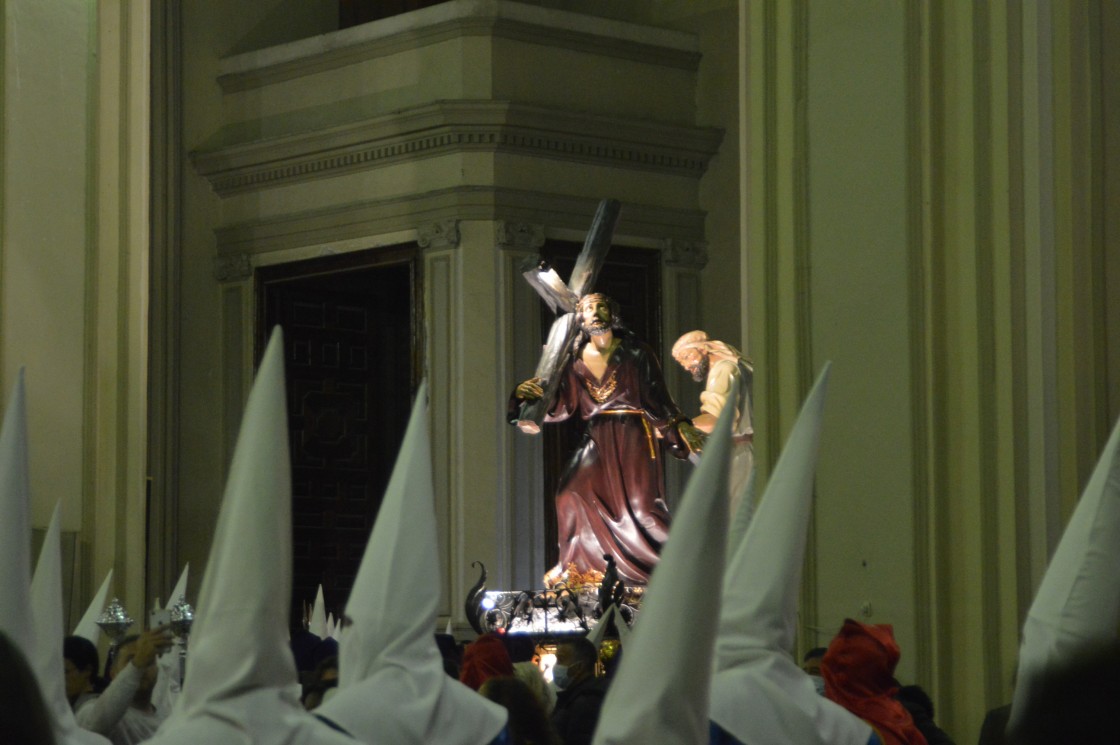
632,276
350,330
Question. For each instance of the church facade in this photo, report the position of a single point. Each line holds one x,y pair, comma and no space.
924,194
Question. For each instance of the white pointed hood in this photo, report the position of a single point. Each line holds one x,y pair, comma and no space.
241,677
87,628
759,693
15,500
1078,602
318,623
392,687
168,685
180,589
741,520
661,690
597,634
46,658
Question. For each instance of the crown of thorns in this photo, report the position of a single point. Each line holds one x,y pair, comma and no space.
593,297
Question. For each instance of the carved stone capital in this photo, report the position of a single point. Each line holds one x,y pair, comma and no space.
440,234
232,267
686,254
519,236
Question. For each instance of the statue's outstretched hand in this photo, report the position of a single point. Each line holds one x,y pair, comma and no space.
692,436
530,390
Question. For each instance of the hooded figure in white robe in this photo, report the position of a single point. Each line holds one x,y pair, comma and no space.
318,623
759,693
87,628
31,611
46,613
392,685
1077,605
660,692
241,684
169,679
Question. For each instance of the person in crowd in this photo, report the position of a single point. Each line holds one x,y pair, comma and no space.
1072,700
81,662
22,709
123,712
581,693
916,701
325,649
528,723
811,664
529,673
302,643
994,729
485,657
322,679
450,653
858,670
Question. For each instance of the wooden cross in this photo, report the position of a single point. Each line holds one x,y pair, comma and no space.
562,298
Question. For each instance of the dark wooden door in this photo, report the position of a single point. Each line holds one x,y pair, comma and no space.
632,276
351,345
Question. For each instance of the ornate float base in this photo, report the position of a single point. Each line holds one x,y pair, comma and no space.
572,604
545,613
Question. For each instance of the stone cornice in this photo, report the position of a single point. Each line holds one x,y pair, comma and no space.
458,19
639,222
456,126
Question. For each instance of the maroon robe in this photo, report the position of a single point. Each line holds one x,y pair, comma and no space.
612,494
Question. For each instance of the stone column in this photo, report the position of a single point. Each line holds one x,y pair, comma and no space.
683,262
520,313
74,254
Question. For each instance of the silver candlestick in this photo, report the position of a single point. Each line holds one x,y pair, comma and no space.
114,620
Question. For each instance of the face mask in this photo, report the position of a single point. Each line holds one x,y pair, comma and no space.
818,683
560,676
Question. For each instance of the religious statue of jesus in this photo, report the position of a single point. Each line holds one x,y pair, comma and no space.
611,499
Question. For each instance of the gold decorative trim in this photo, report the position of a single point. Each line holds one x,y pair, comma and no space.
603,391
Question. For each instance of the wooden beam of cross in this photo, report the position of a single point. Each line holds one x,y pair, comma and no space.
562,299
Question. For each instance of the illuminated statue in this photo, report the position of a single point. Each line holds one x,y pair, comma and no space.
716,364
611,499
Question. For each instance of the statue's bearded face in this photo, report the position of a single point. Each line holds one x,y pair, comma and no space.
695,362
595,316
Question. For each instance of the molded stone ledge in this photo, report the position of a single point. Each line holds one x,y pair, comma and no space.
640,224
456,126
574,31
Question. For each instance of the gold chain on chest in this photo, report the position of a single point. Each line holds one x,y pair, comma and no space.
602,391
